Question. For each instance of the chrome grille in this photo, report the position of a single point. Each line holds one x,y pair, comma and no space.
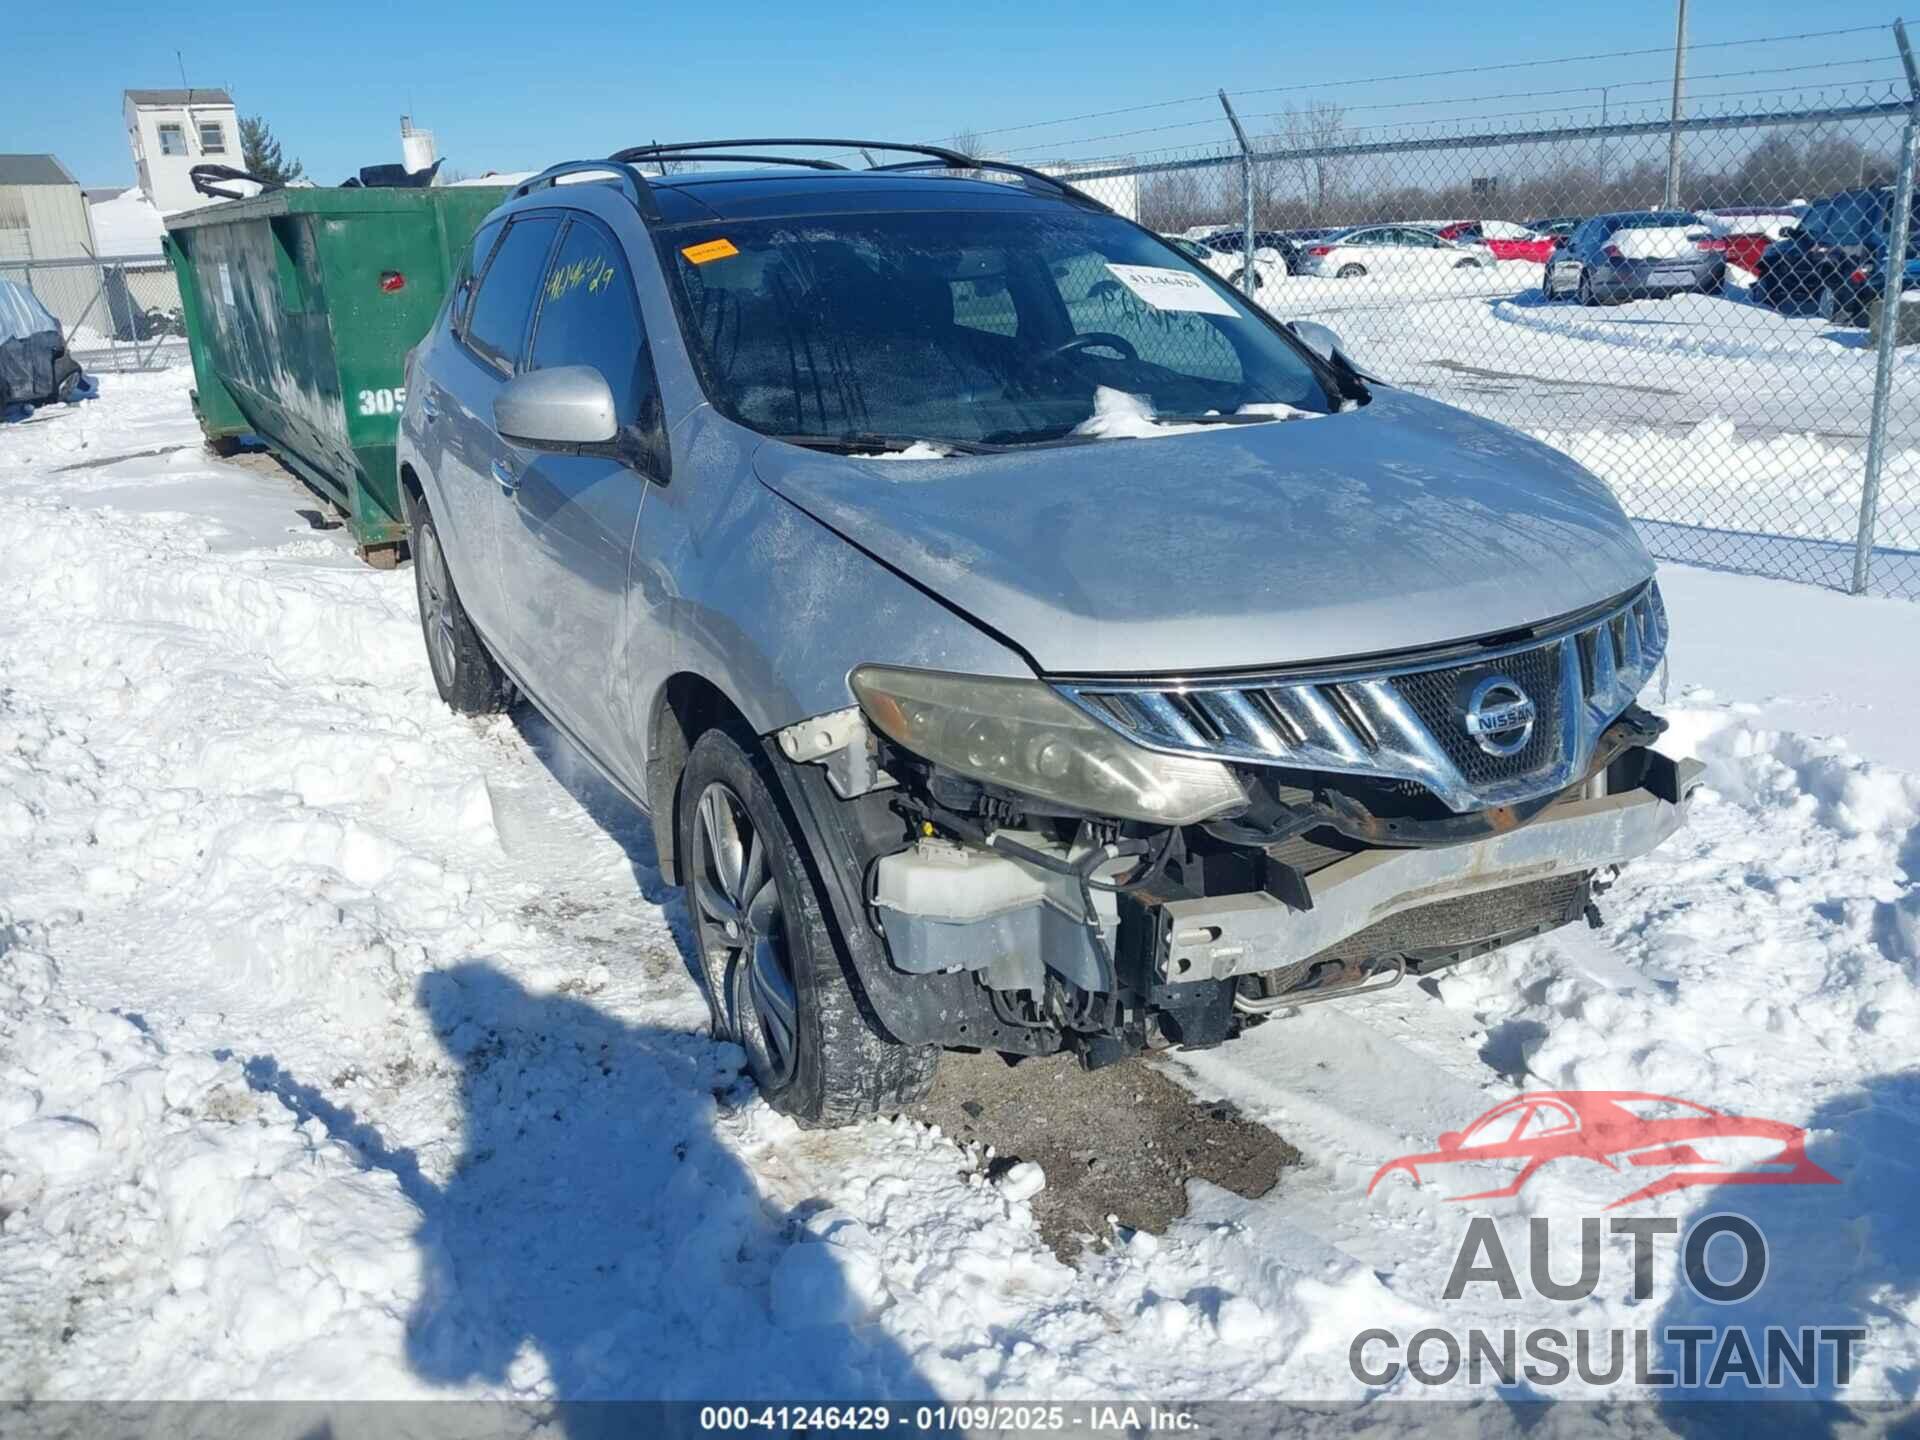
1439,699
1405,719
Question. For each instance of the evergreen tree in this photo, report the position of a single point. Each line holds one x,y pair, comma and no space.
260,153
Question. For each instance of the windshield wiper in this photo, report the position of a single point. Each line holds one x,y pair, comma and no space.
860,442
1214,418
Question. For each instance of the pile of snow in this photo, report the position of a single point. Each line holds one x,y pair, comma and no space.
128,224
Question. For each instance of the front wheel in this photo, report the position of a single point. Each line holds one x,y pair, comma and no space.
769,961
463,672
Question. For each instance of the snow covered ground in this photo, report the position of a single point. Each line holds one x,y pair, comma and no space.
347,1048
1699,410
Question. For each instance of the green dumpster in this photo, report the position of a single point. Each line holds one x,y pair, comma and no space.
301,306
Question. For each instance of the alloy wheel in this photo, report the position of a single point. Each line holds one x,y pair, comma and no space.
436,606
743,937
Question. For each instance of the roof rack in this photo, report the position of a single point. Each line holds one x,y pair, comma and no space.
624,165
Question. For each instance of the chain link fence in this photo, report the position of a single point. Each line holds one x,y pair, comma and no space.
1692,310
117,314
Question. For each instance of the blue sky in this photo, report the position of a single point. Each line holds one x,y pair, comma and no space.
514,86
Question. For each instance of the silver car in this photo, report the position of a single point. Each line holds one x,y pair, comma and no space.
1640,254
1019,641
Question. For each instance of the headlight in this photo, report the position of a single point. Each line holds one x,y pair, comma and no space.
1021,734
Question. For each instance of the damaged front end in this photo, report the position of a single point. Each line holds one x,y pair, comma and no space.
1108,866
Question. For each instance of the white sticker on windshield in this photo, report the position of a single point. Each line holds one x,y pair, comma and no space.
1171,289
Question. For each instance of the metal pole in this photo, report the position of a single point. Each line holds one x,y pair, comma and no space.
1672,201
1603,139
1248,279
1897,226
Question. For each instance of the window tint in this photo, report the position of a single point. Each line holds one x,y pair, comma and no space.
471,269
497,321
589,315
966,326
1846,220
985,303
1098,304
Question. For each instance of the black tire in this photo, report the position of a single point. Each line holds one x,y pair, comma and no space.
1466,265
1714,283
463,672
829,1066
1760,293
1350,272
1584,290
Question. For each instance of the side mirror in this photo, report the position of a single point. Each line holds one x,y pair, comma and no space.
1789,231
1323,340
1450,1140
554,409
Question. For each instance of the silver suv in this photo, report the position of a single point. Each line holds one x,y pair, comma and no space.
1020,642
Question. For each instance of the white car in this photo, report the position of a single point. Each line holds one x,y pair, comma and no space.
1398,250
1269,265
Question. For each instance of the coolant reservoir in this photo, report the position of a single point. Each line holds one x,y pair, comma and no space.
940,880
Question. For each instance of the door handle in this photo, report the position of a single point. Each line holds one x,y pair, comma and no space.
505,478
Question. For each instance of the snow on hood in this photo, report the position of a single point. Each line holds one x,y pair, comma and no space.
1402,523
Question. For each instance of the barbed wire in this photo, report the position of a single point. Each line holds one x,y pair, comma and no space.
1216,121
1210,98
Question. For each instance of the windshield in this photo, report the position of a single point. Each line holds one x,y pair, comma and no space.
1846,220
985,327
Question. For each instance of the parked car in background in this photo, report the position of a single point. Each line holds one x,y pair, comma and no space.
1270,247
1387,250
1848,299
1742,233
1634,255
1555,226
809,505
1809,266
1503,239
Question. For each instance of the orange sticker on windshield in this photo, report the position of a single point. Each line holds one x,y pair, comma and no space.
710,250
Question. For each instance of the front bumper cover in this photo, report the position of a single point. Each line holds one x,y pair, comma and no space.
1217,937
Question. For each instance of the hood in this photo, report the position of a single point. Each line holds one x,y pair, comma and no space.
1402,523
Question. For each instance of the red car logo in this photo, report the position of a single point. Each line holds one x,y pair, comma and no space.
1628,1132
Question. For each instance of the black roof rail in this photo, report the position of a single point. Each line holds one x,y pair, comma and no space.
1007,167
623,165
630,180
686,150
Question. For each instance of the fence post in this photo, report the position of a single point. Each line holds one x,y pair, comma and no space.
1248,279
1890,286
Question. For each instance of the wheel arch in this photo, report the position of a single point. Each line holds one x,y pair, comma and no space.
685,708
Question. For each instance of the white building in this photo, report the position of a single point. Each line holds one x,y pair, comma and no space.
171,131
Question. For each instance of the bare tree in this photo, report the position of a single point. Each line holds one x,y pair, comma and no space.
1312,130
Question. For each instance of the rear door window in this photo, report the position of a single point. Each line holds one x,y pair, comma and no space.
497,321
589,315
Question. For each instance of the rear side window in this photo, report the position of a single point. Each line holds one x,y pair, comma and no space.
497,321
472,269
589,315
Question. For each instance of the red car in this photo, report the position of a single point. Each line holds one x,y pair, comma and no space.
1507,241
1742,250
1626,1131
